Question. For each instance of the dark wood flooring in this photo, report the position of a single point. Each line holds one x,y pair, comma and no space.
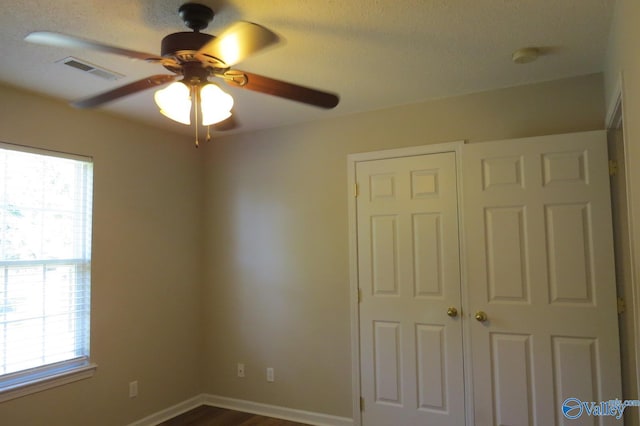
214,416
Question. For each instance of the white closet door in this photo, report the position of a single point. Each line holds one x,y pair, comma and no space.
540,264
409,275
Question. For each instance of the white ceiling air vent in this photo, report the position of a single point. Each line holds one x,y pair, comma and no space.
90,68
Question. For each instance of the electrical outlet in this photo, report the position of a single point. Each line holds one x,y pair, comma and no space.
133,389
270,375
240,370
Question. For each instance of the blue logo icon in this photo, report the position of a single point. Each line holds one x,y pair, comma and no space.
572,408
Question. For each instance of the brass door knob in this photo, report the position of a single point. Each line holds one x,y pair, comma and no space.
452,312
481,316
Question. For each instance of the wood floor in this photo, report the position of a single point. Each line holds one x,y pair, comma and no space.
214,416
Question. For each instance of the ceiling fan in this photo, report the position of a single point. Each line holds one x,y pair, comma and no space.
195,57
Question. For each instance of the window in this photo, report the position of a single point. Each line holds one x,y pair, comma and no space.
45,269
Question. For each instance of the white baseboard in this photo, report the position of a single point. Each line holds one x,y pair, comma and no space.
284,413
278,412
171,412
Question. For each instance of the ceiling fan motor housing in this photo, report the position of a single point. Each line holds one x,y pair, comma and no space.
184,46
177,44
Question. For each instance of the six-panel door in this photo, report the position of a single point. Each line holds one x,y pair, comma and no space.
408,263
540,265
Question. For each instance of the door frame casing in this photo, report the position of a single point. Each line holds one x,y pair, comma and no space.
352,160
615,113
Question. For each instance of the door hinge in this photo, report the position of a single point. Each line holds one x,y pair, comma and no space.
356,190
613,167
361,404
621,306
359,295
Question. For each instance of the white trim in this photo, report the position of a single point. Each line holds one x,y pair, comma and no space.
171,412
467,354
284,413
275,411
48,382
614,103
353,290
615,118
48,152
352,159
405,152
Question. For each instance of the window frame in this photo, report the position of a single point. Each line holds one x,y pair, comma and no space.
32,380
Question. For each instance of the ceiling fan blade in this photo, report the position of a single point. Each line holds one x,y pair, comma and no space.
49,38
238,42
127,89
281,89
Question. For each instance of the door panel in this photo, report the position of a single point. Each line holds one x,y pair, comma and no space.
386,353
428,257
409,274
506,255
511,361
569,253
540,264
432,387
384,253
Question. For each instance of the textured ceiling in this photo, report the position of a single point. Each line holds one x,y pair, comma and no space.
373,53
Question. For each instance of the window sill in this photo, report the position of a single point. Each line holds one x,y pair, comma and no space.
43,383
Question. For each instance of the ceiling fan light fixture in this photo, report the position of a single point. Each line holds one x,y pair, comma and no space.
215,104
174,102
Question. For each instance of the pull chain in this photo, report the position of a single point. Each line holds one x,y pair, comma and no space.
195,95
197,105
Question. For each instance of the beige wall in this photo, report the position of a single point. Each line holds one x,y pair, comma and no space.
146,264
623,73
276,292
274,244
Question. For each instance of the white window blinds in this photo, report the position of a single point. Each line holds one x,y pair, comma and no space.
45,263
